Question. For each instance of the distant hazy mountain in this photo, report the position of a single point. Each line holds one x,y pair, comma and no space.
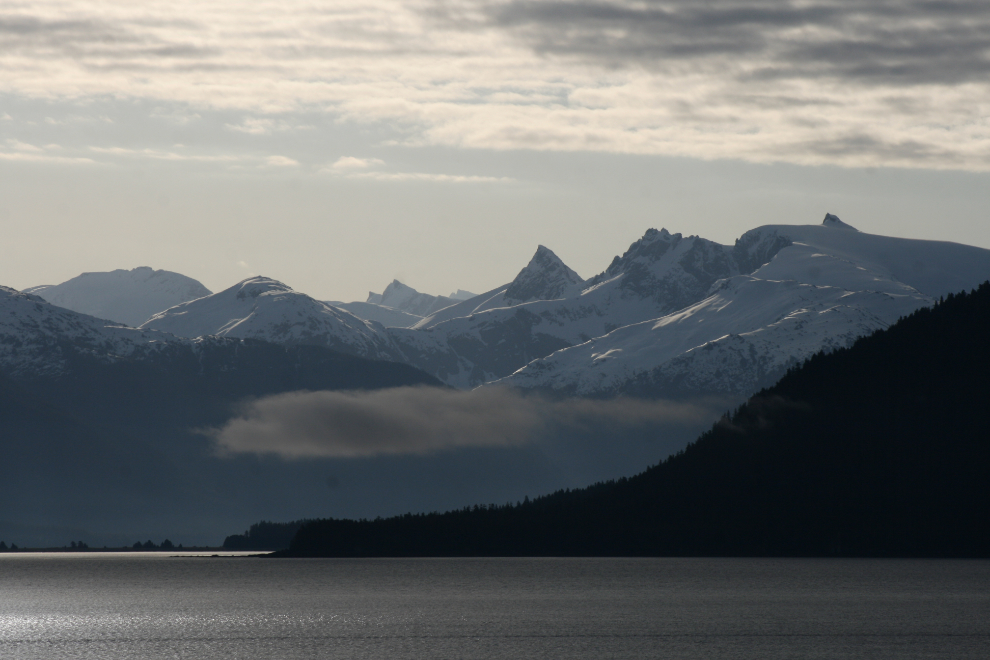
387,316
407,299
262,308
400,306
125,296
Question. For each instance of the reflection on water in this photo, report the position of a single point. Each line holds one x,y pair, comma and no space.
137,605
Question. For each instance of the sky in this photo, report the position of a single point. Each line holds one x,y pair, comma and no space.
338,145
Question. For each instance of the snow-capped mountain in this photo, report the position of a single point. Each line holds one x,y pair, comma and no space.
130,297
671,315
461,294
491,336
407,299
824,287
35,336
658,273
545,277
263,308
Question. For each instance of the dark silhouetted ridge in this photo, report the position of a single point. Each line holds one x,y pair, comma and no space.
878,450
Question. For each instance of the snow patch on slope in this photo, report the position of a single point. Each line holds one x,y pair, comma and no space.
778,321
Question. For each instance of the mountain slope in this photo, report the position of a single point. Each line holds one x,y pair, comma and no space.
36,337
878,450
743,337
821,287
125,296
262,308
387,316
660,273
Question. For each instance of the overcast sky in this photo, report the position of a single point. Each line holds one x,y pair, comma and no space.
338,145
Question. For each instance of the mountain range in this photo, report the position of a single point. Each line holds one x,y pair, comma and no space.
106,423
672,316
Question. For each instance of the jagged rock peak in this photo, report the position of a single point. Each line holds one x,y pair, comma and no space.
653,235
395,287
833,221
545,277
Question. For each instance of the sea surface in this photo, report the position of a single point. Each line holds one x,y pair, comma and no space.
154,605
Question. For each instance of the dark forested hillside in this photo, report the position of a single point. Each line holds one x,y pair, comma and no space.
881,449
264,535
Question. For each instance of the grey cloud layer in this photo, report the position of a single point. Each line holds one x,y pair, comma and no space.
93,38
837,82
422,420
901,43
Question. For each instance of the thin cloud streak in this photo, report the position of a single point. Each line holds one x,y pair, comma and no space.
423,420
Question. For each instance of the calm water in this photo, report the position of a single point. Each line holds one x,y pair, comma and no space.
154,606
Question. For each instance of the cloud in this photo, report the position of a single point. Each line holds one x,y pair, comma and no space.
354,168
350,163
429,177
158,154
230,160
281,161
755,80
264,126
29,153
885,41
422,420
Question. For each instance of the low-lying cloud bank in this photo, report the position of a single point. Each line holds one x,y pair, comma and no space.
421,420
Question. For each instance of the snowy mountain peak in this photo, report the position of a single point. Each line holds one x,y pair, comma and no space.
397,291
253,287
125,296
545,277
833,221
266,309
